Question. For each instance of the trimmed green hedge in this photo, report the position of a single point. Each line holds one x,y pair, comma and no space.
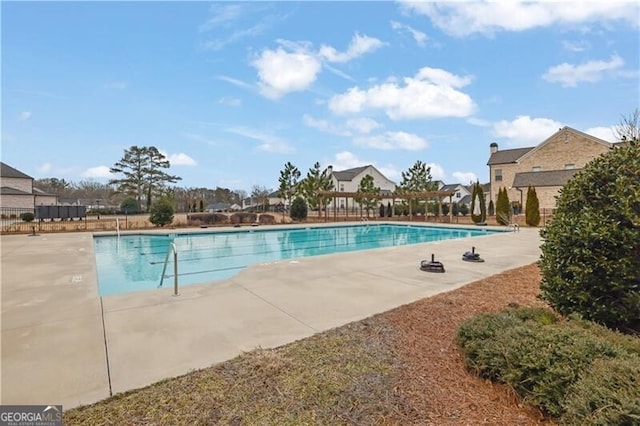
547,361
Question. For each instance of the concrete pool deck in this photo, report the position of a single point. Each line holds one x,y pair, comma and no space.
64,344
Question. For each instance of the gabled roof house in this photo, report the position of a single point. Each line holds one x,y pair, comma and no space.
547,166
17,190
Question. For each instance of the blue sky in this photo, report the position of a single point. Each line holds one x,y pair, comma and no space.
231,91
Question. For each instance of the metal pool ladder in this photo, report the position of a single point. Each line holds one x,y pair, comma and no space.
172,248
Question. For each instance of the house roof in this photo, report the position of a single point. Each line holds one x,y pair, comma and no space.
507,156
8,171
6,190
450,187
548,178
567,129
39,191
349,174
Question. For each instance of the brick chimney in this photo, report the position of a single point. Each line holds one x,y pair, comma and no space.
493,147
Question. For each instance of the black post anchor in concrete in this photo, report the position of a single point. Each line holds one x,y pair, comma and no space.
472,256
432,266
33,232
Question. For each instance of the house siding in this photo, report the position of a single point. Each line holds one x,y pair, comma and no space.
21,184
567,146
16,201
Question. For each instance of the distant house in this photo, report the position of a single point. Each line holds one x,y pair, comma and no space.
547,166
17,191
349,180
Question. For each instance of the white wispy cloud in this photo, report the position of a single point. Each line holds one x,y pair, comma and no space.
526,131
25,115
363,124
575,46
465,18
294,65
437,171
419,37
222,14
235,81
604,133
281,72
181,159
359,45
230,101
325,126
268,143
392,141
569,75
97,172
431,93
201,139
464,178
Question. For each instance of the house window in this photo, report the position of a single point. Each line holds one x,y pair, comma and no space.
342,187
569,166
536,169
498,175
458,194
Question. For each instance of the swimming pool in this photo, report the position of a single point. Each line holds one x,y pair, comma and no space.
135,262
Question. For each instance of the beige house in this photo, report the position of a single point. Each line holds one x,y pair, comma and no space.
349,180
547,167
17,191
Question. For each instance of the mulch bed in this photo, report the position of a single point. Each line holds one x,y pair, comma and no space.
433,380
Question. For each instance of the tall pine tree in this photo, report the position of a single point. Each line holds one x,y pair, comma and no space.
532,211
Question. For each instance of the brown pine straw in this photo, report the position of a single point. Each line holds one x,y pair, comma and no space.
433,380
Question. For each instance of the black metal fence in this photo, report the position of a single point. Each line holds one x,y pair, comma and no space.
43,218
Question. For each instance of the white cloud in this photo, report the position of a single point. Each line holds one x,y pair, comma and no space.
325,126
235,81
432,92
268,143
223,14
604,133
393,140
360,44
45,168
181,159
201,139
464,177
437,172
97,172
363,124
478,122
464,18
569,75
525,131
281,72
230,101
419,37
25,115
575,46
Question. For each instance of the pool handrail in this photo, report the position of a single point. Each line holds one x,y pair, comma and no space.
172,248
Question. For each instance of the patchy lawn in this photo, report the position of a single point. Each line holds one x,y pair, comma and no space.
400,367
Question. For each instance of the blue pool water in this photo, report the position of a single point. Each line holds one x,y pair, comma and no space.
135,262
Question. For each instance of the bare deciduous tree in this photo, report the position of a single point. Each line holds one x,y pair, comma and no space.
629,127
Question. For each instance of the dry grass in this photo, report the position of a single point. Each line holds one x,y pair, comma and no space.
401,367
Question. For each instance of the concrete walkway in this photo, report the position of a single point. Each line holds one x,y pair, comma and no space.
59,348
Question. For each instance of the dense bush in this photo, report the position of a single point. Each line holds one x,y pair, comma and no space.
491,210
27,217
206,218
591,252
389,210
130,206
503,208
299,209
532,209
464,209
267,219
612,385
161,212
381,210
243,217
545,359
